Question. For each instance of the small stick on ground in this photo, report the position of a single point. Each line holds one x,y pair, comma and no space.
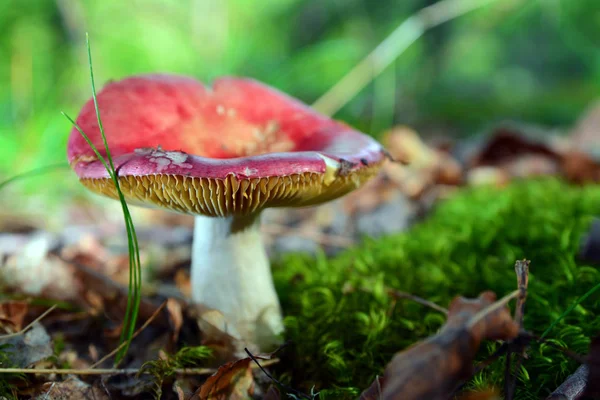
510,381
493,307
116,371
287,388
22,331
397,294
572,388
136,333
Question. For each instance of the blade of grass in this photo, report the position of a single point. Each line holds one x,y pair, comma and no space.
135,272
33,172
391,48
571,308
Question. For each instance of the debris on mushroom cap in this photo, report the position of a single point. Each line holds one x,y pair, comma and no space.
232,149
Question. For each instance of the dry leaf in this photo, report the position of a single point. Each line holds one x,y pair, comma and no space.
71,389
175,317
33,271
215,333
487,394
580,167
12,314
233,381
506,145
433,368
425,167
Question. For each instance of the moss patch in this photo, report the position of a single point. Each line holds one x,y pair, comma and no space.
343,335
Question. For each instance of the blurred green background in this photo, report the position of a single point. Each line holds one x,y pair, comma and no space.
531,60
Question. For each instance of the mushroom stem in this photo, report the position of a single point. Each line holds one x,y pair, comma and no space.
231,273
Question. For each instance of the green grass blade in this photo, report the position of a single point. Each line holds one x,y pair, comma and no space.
571,308
34,172
135,272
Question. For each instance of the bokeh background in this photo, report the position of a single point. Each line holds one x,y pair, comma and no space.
528,60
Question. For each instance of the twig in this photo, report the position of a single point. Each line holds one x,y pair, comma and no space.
387,51
573,387
135,334
22,331
493,307
522,271
510,379
289,389
114,371
403,295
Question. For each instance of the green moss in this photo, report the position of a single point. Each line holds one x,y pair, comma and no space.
345,328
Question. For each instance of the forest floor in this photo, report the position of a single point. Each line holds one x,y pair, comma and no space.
370,286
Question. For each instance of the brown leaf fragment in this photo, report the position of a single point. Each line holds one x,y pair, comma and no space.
175,313
12,315
506,144
71,389
485,394
425,166
580,167
374,391
233,381
433,368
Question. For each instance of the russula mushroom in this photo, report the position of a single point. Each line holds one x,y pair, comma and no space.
222,154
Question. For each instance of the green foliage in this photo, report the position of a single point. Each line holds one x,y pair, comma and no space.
346,328
7,388
165,367
515,59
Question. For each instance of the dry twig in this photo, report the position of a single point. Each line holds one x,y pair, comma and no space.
22,331
397,294
115,371
136,333
510,381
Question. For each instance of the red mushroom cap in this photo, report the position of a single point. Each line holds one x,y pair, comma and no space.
231,149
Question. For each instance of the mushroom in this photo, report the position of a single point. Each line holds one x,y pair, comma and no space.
222,154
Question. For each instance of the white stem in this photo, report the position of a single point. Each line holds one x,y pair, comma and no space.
231,273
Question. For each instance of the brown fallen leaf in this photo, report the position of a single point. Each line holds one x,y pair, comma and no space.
426,166
507,144
71,389
486,394
233,381
175,312
433,368
580,167
12,315
33,270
